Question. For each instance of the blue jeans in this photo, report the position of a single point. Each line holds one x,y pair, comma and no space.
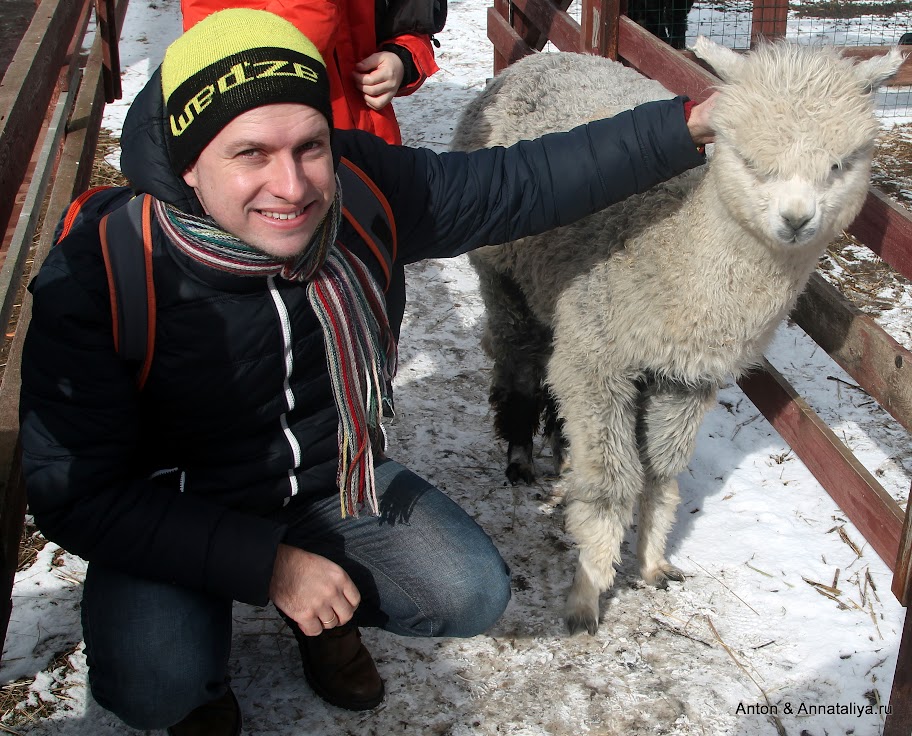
423,568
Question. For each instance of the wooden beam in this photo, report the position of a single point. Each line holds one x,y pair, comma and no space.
560,28
657,60
903,77
21,243
27,88
859,345
75,168
877,516
507,42
886,228
75,49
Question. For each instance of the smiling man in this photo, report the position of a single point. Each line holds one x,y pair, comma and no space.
251,465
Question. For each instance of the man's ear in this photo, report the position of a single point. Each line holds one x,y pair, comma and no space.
190,178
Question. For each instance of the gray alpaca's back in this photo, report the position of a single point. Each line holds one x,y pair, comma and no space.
546,93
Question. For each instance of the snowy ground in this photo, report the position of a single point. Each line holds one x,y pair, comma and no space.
779,608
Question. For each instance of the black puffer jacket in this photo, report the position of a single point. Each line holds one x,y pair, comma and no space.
186,481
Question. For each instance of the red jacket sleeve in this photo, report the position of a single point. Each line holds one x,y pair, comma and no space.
422,55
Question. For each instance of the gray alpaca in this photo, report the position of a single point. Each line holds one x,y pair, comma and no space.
621,328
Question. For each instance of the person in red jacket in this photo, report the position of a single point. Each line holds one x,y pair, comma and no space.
365,70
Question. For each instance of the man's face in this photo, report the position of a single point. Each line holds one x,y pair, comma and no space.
267,177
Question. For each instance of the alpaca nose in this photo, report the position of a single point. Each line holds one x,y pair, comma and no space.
796,212
796,221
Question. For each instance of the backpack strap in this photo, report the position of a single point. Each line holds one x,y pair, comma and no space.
129,270
369,213
72,214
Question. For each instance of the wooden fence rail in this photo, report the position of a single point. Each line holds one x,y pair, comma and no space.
877,362
42,167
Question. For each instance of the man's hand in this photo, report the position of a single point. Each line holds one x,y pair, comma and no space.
379,77
698,123
315,592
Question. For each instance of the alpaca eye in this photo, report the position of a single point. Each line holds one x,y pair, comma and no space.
835,167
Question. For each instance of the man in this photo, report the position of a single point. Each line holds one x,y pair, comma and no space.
251,465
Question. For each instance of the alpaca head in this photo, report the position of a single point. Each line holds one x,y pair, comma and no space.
795,136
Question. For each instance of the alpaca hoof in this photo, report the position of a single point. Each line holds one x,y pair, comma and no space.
519,472
662,574
576,622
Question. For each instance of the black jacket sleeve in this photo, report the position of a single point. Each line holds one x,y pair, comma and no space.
451,203
80,434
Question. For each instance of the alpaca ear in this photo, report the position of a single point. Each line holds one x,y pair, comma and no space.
726,63
873,72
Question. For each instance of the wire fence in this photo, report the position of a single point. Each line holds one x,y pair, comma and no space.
735,23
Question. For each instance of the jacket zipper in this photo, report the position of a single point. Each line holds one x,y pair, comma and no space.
285,323
165,471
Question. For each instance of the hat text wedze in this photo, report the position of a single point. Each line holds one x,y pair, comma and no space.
241,73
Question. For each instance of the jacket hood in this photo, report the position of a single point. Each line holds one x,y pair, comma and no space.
144,153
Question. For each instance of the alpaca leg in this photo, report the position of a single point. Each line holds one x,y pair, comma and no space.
519,346
598,528
554,431
603,483
670,416
657,514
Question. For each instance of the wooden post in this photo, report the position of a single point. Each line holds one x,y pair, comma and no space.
769,20
107,30
899,719
502,8
902,573
599,27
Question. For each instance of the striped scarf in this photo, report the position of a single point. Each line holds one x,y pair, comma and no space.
360,349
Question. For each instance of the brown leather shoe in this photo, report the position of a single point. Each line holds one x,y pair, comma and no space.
339,668
220,717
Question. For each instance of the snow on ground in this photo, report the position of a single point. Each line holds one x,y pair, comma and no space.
779,612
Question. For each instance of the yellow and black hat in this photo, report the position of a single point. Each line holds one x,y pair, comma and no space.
230,62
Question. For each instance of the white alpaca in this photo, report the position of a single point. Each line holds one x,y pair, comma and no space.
639,313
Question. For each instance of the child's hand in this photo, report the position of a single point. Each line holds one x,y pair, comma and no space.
379,77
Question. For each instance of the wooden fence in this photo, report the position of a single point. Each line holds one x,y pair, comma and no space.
42,167
51,99
875,360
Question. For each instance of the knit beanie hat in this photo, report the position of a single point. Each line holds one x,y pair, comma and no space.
230,62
